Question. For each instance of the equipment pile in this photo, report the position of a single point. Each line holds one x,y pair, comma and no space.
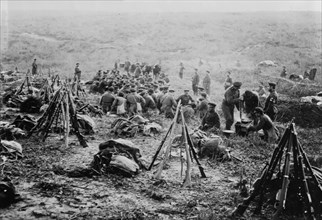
291,184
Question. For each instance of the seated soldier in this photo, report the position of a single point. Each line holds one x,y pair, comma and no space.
266,124
210,121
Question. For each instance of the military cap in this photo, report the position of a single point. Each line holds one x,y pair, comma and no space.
201,88
132,90
259,110
140,90
237,84
272,84
208,71
212,104
186,90
126,91
166,87
171,90
150,91
203,94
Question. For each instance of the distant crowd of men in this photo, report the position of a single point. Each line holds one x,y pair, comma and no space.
142,88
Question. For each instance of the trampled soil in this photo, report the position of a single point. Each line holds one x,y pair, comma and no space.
48,195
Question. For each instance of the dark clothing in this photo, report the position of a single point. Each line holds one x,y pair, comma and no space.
149,103
168,104
251,101
127,65
107,101
230,101
181,72
34,68
283,73
195,83
270,108
202,108
77,73
211,120
270,131
185,99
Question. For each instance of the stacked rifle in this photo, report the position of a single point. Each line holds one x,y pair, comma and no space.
61,112
294,181
188,147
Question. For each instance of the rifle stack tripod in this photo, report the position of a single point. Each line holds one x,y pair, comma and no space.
299,193
61,111
189,149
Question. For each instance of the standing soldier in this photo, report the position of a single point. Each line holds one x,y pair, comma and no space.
228,81
181,70
127,65
270,108
77,74
206,83
195,82
231,100
34,68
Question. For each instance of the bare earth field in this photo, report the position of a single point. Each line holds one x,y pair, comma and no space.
223,41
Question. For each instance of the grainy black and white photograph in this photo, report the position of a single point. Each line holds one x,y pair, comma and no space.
161,110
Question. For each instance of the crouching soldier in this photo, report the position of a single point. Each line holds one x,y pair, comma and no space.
119,104
264,122
210,121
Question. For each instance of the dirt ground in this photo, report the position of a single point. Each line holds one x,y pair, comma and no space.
48,195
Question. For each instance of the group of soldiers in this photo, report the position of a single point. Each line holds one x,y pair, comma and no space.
143,89
206,83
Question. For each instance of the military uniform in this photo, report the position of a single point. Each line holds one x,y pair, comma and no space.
206,84
270,108
107,101
230,101
228,82
195,83
168,104
202,108
34,68
266,124
210,120
185,99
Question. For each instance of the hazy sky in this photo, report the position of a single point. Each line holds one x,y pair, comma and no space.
163,6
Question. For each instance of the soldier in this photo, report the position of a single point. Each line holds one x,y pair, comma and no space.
127,65
34,68
149,102
185,98
202,107
161,95
119,104
210,121
138,71
132,102
264,122
181,70
228,82
107,100
206,83
78,72
270,108
283,73
168,104
195,82
231,100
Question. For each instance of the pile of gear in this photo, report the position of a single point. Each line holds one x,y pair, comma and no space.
288,182
119,157
122,127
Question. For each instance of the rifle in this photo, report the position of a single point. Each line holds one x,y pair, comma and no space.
160,146
286,173
203,175
303,180
265,177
